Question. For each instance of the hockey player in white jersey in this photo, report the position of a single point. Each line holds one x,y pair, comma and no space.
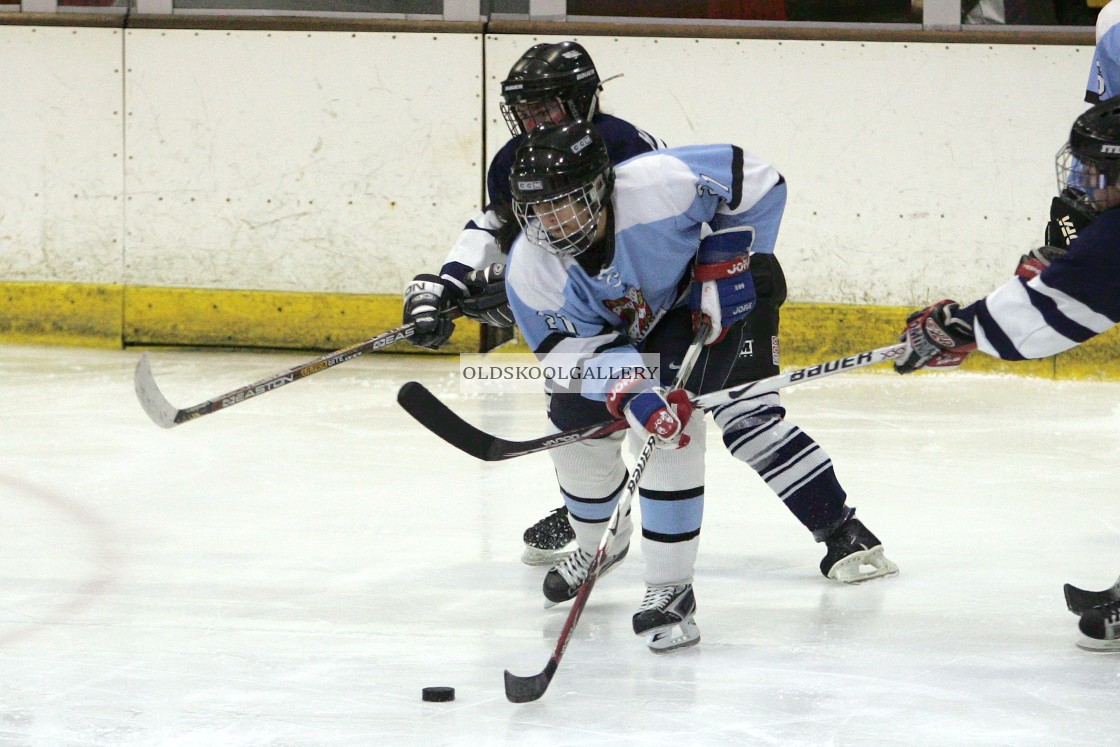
614,262
1068,298
550,83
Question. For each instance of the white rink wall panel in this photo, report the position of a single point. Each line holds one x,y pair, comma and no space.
340,162
346,162
915,170
60,185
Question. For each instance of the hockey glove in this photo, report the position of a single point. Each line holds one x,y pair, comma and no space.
426,303
722,292
1066,219
1035,261
937,338
662,413
486,300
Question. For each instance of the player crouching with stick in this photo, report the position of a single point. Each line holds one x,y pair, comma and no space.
612,264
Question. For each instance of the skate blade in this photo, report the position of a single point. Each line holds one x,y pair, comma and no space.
1099,647
685,634
535,556
863,566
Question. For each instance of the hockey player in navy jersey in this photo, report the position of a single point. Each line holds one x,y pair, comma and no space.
614,262
550,83
1066,219
1064,300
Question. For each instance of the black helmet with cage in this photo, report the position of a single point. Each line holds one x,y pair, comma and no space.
560,182
1088,165
550,83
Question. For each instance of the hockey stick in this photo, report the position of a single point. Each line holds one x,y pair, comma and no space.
442,420
527,689
166,415
1079,600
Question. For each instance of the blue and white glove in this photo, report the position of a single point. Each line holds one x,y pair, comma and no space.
723,293
662,413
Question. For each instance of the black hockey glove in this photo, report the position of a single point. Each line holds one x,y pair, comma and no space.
1035,261
937,338
1066,220
485,300
426,303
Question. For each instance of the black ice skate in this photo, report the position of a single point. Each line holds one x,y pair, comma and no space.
550,540
1100,628
666,619
855,555
562,582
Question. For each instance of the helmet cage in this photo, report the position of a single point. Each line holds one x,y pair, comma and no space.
547,73
1090,185
525,116
565,224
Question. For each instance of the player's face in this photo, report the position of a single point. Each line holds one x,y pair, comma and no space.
1100,193
563,217
531,115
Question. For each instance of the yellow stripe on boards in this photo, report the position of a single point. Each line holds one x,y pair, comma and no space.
272,319
814,333
113,315
100,315
86,314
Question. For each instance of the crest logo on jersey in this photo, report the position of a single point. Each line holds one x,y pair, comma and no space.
634,312
711,187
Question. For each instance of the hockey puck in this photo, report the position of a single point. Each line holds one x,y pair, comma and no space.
438,694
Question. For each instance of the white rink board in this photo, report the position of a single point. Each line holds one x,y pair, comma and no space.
915,170
347,162
60,187
340,162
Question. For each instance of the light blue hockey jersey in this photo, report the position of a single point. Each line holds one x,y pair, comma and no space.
663,203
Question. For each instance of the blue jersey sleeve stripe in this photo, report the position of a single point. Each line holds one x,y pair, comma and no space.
472,226
995,334
456,270
1058,321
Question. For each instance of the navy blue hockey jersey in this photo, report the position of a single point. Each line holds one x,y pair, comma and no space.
1072,300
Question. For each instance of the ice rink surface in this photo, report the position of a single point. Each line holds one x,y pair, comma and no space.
293,570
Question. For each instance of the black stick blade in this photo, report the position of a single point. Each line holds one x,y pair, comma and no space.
1079,600
442,421
528,689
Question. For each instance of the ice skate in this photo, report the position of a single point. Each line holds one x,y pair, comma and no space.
550,540
1100,628
562,582
855,555
665,618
